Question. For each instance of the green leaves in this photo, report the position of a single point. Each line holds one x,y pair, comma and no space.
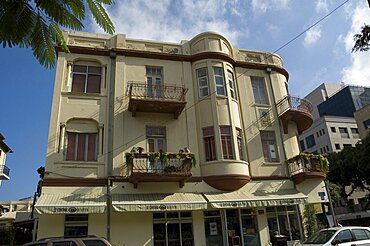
37,24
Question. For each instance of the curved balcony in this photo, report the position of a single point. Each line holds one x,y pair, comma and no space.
307,166
156,98
297,110
158,167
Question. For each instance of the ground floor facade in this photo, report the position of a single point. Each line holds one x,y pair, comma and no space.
192,215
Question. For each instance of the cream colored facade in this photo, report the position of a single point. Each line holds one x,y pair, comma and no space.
4,150
362,117
240,184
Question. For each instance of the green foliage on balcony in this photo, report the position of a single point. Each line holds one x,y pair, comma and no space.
322,160
187,158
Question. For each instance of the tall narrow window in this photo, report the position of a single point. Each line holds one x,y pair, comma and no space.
86,79
202,78
209,143
239,139
156,137
230,80
81,146
226,142
259,90
269,146
154,82
219,81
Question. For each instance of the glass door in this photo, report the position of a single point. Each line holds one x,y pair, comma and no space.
233,227
249,228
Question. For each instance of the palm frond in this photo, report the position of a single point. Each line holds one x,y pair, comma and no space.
100,15
57,36
42,43
77,7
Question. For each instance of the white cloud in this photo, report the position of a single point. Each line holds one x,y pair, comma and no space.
312,35
358,72
322,6
174,21
262,6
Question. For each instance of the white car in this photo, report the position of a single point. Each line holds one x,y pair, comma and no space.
343,236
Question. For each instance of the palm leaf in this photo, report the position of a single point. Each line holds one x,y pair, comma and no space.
57,36
77,7
100,15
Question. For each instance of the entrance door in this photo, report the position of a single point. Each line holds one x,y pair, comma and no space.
233,227
249,228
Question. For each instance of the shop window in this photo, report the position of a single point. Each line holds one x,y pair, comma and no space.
310,141
202,78
226,142
269,146
154,82
213,228
259,90
76,225
219,81
239,140
231,81
173,228
86,79
284,220
209,143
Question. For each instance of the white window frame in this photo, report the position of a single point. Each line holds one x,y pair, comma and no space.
219,78
259,90
200,79
231,81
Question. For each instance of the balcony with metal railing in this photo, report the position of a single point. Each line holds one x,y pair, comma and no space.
4,172
144,97
307,166
297,110
158,167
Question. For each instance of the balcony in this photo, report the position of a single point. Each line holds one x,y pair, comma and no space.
156,98
4,172
297,110
307,166
158,167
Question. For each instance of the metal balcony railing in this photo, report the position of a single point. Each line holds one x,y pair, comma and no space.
152,163
4,170
145,91
294,103
307,163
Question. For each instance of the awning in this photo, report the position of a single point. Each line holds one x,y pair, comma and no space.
240,199
71,203
158,202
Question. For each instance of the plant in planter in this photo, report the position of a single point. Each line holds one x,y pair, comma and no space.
152,157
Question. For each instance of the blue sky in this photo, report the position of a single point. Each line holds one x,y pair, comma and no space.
323,54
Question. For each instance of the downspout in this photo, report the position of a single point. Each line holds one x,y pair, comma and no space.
268,70
112,77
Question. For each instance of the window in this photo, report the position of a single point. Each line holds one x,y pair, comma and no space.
154,82
361,234
220,81
230,80
337,146
344,236
202,78
239,140
355,133
76,224
285,221
333,129
94,242
347,145
327,148
317,134
64,243
269,146
367,124
173,228
81,146
259,90
301,143
209,143
86,79
323,131
156,137
343,132
226,142
310,141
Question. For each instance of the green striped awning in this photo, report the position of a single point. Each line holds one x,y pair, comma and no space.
71,203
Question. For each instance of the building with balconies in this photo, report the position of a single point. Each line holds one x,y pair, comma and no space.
155,143
4,150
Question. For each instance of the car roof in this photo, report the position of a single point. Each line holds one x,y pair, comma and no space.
345,227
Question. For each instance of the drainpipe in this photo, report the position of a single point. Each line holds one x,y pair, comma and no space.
269,70
112,78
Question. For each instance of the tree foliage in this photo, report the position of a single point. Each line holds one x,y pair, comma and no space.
362,40
350,167
36,23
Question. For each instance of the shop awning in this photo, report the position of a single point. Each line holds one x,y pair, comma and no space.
158,202
240,199
71,203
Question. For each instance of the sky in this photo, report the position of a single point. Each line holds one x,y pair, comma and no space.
321,54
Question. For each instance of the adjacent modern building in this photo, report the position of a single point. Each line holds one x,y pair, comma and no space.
191,143
4,150
362,117
334,126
